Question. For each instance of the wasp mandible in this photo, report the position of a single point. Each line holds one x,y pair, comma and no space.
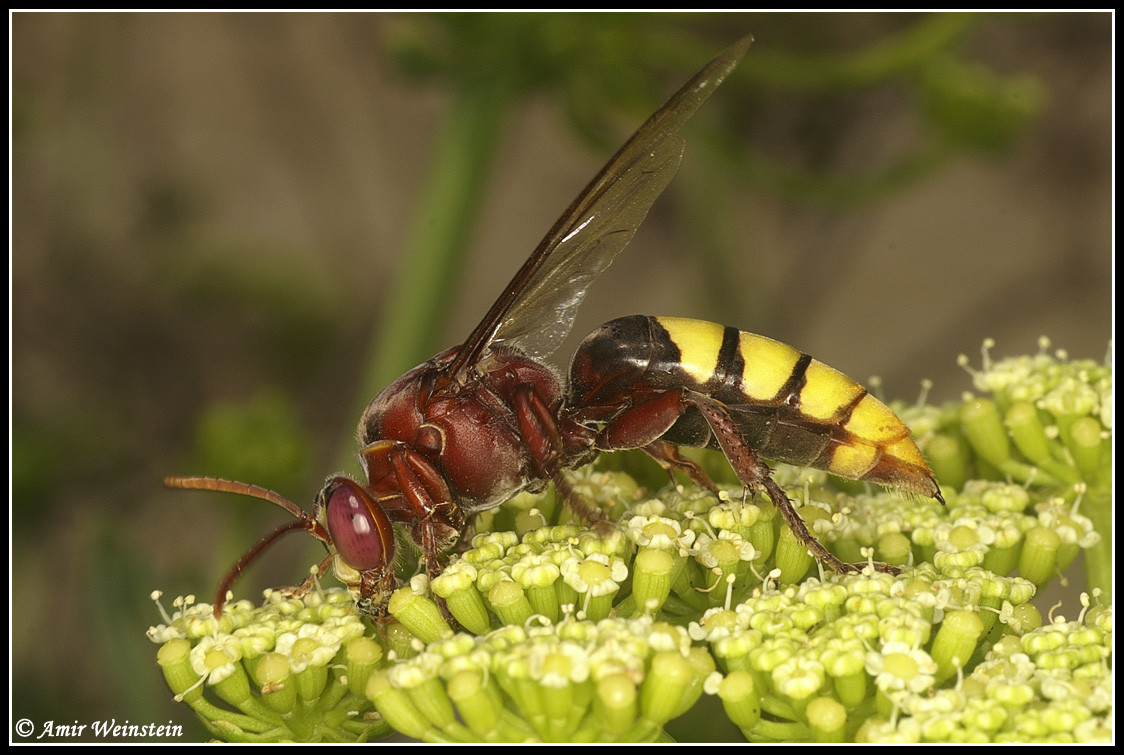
480,422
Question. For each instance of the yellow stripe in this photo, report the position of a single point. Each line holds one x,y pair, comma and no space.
853,460
826,392
699,343
768,366
873,421
906,450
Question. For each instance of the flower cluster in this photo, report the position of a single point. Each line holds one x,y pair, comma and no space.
1046,425
920,656
1051,684
294,669
683,553
1048,422
872,658
615,680
550,630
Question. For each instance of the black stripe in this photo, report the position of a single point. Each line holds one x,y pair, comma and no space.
790,393
731,364
845,414
665,351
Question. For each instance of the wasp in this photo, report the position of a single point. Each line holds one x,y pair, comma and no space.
480,422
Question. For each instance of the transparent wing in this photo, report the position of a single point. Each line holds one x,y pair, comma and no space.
544,311
537,309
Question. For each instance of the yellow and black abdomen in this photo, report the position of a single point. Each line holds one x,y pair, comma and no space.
787,406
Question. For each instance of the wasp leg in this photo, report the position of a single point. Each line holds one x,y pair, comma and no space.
756,475
667,456
434,564
643,423
437,521
425,534
585,510
464,542
539,428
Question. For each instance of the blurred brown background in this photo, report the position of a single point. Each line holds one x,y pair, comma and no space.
209,216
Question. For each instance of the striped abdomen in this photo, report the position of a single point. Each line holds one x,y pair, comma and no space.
787,406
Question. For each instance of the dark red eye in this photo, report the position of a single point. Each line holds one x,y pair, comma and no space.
360,530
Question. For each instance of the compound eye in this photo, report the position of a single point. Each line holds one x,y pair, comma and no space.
360,530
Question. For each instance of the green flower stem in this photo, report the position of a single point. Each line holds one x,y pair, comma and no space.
567,706
702,665
651,579
981,423
513,728
400,641
793,558
989,615
431,701
175,662
1038,562
363,656
338,707
398,709
301,725
1096,504
527,694
780,731
772,702
1030,438
985,431
183,681
310,682
949,459
567,596
476,707
851,689
683,588
955,642
615,704
361,730
1087,444
510,602
664,687
642,731
763,533
234,734
893,548
215,715
883,704
827,719
235,689
1002,560
677,606
544,601
272,675
558,703
419,614
456,586
741,700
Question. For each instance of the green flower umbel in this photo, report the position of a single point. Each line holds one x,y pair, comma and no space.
292,670
578,681
1047,424
564,633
